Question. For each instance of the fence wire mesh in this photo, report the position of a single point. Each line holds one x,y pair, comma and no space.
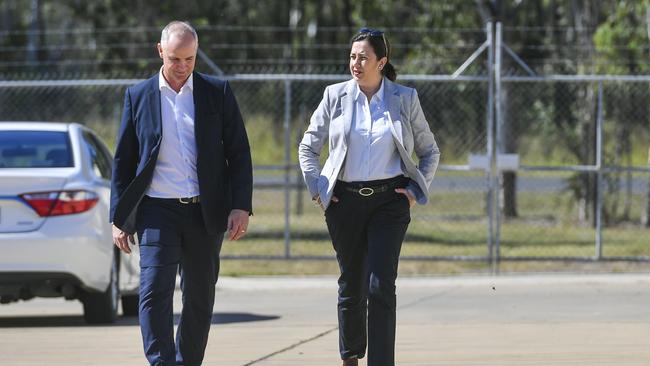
549,204
583,148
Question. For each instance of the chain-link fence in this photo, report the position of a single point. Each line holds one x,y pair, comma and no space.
579,190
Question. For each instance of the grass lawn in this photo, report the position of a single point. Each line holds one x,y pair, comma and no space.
453,225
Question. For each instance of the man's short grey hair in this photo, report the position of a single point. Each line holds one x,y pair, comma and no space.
178,28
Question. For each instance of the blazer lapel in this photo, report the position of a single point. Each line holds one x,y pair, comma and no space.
394,105
347,106
154,109
201,110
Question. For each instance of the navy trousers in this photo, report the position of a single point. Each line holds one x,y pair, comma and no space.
173,239
367,235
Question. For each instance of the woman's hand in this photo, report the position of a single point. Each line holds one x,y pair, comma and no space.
318,202
408,195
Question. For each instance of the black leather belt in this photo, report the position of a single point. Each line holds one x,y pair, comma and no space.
369,188
183,200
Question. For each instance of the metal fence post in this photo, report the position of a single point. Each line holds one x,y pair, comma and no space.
287,168
496,211
490,142
599,176
300,187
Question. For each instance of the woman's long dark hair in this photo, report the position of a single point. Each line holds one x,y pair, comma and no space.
379,43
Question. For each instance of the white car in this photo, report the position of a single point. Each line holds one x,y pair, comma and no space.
55,235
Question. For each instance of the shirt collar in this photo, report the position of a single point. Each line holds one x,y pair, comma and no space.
162,82
379,94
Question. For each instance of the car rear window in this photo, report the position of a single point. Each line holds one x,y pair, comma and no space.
35,149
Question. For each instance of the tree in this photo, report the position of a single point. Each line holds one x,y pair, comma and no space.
622,37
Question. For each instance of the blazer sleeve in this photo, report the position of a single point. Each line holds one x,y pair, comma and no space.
126,156
312,143
238,153
425,147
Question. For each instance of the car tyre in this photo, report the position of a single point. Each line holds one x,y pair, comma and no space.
130,305
101,307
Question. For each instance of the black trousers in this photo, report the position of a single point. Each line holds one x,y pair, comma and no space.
367,234
173,239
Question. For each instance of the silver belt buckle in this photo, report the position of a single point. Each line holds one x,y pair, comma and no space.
366,191
184,200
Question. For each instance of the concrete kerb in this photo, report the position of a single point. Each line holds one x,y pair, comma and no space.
329,282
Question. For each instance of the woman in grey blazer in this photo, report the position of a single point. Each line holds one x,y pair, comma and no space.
366,188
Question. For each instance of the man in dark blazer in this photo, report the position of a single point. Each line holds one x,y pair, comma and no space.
182,177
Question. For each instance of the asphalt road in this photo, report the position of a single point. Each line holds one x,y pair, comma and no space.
523,320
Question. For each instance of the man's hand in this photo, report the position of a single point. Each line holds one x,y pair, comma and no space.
408,195
121,239
237,224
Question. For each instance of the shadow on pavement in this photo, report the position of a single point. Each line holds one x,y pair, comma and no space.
42,321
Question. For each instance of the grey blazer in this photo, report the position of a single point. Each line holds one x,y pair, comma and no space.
331,122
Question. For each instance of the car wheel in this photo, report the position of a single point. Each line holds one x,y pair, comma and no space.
130,305
101,307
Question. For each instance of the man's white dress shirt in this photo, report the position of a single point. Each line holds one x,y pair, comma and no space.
175,172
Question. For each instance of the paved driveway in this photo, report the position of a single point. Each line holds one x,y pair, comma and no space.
522,320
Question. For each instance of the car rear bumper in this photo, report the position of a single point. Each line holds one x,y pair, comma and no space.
16,286
40,254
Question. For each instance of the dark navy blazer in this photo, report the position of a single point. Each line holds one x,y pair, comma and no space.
223,165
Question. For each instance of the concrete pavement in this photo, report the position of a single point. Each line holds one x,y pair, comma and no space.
506,320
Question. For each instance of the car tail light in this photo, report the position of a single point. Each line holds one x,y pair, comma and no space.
60,202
